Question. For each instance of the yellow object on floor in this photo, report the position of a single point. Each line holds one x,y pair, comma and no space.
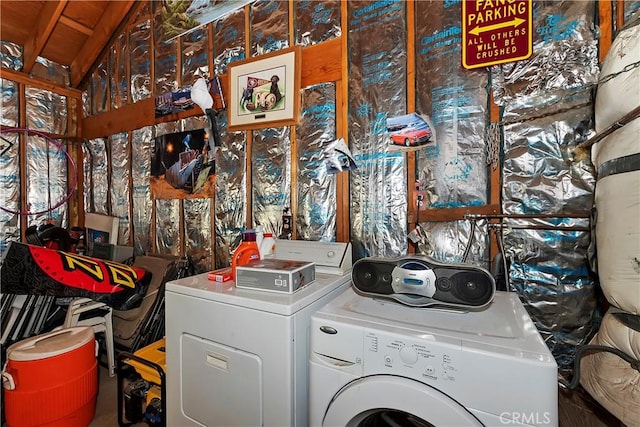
154,353
141,394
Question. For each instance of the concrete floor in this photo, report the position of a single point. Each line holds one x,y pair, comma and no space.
107,404
576,408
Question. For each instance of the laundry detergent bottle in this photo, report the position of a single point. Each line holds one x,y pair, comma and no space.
247,252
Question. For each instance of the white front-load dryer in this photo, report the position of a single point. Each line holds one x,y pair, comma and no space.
379,363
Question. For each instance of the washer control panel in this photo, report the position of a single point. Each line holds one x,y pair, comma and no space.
429,360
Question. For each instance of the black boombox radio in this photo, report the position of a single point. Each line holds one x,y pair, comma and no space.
420,281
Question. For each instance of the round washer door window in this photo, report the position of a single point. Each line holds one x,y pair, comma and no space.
385,400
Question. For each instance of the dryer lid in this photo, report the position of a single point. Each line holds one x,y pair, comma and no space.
280,303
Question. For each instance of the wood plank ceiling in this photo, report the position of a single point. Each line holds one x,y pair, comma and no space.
72,33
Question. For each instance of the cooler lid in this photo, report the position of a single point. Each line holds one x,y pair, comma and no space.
50,344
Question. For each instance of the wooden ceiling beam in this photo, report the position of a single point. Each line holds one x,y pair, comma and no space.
75,25
26,79
45,24
103,31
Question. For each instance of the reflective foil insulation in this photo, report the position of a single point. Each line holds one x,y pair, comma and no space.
51,71
46,182
10,57
316,208
46,175
168,241
142,207
120,161
269,26
549,268
86,103
565,53
96,176
10,101
453,173
270,177
230,193
99,85
165,60
316,21
87,187
193,123
549,271
541,172
228,40
198,232
140,56
118,57
46,111
450,241
9,155
195,60
547,109
377,80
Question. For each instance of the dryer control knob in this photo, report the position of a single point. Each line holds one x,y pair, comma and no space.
408,355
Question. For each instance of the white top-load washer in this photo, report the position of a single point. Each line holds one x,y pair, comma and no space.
376,362
239,357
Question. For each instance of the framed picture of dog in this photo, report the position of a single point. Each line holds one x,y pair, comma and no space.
265,90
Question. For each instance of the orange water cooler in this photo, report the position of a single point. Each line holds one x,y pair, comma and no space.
52,379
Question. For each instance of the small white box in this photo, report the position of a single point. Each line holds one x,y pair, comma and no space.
275,275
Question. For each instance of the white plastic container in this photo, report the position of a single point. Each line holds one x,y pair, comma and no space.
259,236
267,246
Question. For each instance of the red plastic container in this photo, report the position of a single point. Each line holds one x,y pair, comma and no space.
52,379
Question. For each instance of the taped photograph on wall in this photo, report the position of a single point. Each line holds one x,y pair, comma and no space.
410,132
264,91
182,164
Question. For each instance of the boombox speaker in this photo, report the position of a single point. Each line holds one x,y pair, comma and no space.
420,281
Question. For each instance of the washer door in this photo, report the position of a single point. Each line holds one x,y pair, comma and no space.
385,400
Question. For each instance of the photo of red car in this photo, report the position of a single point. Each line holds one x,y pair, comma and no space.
409,130
411,136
